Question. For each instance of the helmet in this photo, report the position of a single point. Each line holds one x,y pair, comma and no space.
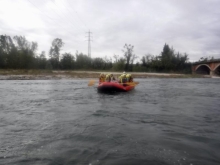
128,75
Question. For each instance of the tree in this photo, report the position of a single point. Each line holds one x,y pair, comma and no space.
54,53
147,62
26,52
55,48
41,61
34,47
108,63
83,61
6,47
205,59
43,55
67,61
6,44
98,63
21,43
129,56
167,56
119,65
116,57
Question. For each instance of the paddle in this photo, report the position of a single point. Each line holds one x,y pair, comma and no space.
91,82
132,83
136,83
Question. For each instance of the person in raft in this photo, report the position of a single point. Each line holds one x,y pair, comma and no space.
102,78
109,77
122,78
129,78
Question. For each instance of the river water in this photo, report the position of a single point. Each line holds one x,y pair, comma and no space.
163,121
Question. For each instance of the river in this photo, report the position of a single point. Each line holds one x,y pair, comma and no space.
161,122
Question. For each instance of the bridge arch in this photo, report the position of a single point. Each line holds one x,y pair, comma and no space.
203,69
216,66
211,67
217,69
201,65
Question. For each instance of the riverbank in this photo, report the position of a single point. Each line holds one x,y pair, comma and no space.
48,75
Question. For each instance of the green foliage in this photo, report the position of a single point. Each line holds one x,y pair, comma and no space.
55,48
41,61
83,61
67,61
48,66
98,63
138,67
18,53
108,63
129,56
205,59
6,46
54,53
168,61
119,65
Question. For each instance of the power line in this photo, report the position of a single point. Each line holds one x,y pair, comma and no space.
60,24
47,15
66,16
86,28
38,8
79,17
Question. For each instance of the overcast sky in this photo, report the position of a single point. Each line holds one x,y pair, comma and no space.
189,26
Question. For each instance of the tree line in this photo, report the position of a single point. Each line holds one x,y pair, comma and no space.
19,53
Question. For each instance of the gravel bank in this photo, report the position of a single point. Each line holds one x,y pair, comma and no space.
83,74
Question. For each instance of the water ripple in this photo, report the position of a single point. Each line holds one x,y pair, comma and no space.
162,121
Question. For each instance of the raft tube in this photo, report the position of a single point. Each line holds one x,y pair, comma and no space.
114,87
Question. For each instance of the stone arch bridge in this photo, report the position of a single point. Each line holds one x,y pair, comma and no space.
211,68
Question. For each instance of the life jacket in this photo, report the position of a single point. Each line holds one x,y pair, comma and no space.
108,77
123,78
119,79
102,78
129,77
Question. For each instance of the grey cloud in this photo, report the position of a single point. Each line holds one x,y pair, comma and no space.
188,26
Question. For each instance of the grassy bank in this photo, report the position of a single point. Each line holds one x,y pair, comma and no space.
58,74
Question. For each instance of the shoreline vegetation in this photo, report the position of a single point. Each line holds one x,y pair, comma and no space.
58,74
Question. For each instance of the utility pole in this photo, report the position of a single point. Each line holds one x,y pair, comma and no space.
89,44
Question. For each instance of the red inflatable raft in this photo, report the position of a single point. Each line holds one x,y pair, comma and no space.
115,87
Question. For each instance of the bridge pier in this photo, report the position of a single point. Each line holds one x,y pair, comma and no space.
212,73
193,72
